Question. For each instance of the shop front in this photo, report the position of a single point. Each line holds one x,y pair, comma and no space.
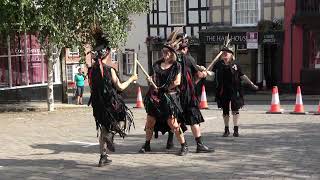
211,40
259,56
271,57
23,70
305,18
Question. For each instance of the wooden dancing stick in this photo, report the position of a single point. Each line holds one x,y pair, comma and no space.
227,42
145,73
135,65
214,60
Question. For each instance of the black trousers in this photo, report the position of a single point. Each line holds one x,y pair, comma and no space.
226,107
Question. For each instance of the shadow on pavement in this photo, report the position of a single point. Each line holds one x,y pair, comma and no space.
285,150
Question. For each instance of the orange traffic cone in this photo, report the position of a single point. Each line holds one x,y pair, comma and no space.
318,112
203,103
299,108
139,103
275,102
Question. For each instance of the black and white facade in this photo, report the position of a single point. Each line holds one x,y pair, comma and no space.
240,19
167,15
209,21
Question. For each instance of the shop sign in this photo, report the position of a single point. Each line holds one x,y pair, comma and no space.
29,51
269,38
252,40
219,37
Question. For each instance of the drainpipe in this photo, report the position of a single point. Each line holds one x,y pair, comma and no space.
9,62
291,57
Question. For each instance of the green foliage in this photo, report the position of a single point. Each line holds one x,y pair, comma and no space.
70,22
267,25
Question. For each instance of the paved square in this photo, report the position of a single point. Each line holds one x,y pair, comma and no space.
63,145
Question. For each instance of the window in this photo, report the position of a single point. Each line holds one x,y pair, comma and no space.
69,73
28,65
177,12
314,50
245,12
74,52
128,58
4,73
156,55
241,47
114,56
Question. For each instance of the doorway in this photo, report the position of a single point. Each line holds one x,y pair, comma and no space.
272,64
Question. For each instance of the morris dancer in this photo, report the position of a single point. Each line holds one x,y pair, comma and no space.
191,73
162,102
228,76
109,110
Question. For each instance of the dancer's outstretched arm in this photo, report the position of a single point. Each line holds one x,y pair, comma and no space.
122,86
248,81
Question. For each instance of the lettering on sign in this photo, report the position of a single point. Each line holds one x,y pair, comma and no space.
220,38
269,38
29,51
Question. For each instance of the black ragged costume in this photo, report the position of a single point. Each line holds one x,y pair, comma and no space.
228,84
189,99
108,106
164,103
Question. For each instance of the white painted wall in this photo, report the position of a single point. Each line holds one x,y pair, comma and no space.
136,40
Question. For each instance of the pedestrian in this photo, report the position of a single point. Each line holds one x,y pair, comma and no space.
191,73
79,79
228,77
162,102
111,114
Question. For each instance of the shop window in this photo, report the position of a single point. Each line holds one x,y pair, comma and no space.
4,73
28,63
241,49
177,12
314,51
245,12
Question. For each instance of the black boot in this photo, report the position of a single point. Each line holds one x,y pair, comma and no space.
236,131
184,149
170,144
104,160
145,148
226,132
201,148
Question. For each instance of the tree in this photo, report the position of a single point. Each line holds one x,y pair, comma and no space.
63,23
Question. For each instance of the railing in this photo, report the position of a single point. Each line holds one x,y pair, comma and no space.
308,7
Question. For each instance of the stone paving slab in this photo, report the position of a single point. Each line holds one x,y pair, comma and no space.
63,145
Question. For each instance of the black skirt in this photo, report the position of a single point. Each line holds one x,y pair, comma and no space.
192,116
162,106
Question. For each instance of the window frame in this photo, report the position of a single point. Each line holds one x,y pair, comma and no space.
126,69
114,56
72,53
234,15
184,14
70,67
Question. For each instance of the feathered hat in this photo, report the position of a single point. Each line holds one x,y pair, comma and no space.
175,39
226,46
101,48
